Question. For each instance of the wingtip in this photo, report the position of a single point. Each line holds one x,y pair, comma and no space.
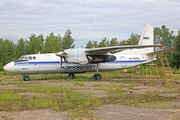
160,45
172,48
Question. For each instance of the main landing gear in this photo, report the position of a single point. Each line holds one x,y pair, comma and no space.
26,78
71,75
97,76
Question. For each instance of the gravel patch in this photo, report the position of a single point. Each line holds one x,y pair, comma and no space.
42,114
120,112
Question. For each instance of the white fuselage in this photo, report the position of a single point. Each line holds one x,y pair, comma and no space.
50,63
132,55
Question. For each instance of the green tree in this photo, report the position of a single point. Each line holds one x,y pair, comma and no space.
34,44
134,39
163,36
123,42
95,44
68,40
104,43
114,42
176,52
89,45
6,51
9,50
1,66
52,43
20,48
1,50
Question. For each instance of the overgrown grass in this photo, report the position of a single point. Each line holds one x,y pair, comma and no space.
45,89
79,105
78,84
10,101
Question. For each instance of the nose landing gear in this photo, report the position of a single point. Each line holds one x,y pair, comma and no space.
26,78
97,76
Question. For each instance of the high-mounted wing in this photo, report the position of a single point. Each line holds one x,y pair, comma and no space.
116,48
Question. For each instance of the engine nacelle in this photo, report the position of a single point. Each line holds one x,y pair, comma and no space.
76,56
79,56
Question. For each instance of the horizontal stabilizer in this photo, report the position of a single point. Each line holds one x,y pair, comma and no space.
156,52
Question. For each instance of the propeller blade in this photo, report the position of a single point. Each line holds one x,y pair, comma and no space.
61,62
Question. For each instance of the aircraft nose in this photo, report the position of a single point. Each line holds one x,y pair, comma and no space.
9,67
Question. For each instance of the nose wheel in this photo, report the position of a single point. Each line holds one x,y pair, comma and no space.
26,78
97,76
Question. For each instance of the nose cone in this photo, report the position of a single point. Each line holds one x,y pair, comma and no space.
9,67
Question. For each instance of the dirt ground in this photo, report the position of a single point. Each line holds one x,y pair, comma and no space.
115,111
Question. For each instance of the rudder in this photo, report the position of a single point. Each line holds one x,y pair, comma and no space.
147,37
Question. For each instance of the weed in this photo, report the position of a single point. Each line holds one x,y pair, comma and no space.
171,112
112,89
175,106
90,94
45,89
132,85
34,103
170,91
100,85
9,96
56,108
48,93
119,87
69,113
79,84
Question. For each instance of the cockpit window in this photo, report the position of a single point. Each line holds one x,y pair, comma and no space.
25,58
30,57
21,58
34,57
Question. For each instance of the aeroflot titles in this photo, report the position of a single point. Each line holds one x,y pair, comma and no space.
78,67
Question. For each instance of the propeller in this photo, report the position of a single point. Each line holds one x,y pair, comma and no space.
61,62
61,55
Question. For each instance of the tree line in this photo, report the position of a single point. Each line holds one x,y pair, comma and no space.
10,51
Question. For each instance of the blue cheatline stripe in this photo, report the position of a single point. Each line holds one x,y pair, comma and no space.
47,62
58,62
129,61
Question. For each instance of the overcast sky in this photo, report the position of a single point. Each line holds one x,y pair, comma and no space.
87,19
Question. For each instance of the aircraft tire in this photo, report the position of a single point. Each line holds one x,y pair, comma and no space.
26,78
71,75
97,76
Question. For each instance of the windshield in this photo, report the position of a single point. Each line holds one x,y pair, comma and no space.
21,58
24,57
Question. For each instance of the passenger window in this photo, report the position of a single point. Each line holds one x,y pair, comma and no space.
30,58
34,57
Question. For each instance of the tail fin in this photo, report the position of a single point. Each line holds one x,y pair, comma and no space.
147,37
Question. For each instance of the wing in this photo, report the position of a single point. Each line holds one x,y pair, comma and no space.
116,48
157,52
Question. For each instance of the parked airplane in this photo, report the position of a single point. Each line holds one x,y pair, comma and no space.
73,61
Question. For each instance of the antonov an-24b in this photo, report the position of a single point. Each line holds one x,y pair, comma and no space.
74,61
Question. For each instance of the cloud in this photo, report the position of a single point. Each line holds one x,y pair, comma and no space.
87,19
